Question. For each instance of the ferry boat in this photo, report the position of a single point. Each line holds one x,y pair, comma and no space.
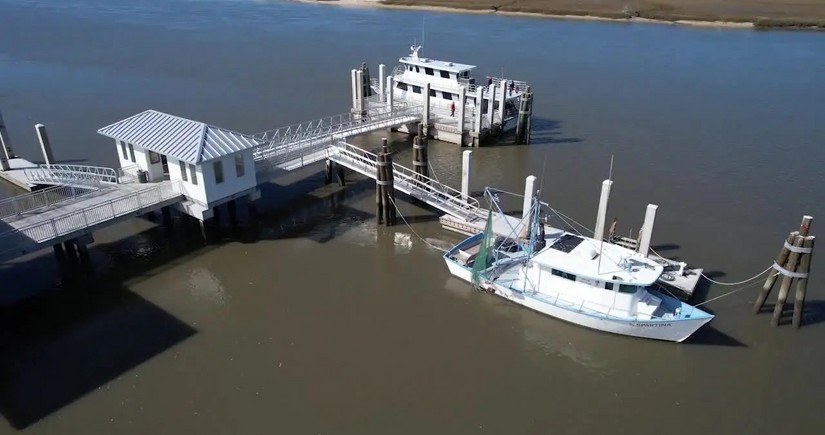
575,278
446,79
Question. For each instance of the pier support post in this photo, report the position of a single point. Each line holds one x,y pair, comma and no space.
69,246
420,165
462,101
342,181
426,109
328,173
785,287
83,253
781,259
166,213
385,193
647,229
802,283
465,173
360,93
598,233
5,143
491,105
525,115
59,253
381,75
529,193
45,145
354,80
478,117
390,84
501,102
233,213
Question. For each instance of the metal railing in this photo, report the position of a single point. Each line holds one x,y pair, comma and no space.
314,135
71,174
82,219
20,204
128,174
426,189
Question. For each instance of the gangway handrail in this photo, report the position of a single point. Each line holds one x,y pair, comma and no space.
70,174
78,220
463,205
17,205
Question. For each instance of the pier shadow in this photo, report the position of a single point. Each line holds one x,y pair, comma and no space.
64,343
548,131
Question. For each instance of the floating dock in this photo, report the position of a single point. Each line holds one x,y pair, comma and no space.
16,173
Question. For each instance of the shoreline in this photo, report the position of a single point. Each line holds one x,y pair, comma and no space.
766,24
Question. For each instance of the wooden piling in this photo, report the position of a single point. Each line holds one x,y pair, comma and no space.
784,288
379,187
802,282
389,188
525,115
781,259
328,173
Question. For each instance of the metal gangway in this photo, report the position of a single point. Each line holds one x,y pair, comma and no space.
428,190
298,145
72,175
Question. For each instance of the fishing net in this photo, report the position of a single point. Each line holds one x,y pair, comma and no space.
482,258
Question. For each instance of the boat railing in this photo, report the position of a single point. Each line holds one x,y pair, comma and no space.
589,307
517,84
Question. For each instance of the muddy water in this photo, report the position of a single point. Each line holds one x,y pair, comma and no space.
318,321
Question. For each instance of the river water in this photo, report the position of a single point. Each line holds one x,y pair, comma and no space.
319,321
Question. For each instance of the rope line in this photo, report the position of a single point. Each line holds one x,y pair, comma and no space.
729,284
726,294
413,231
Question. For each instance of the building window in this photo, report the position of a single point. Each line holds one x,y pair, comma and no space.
608,286
417,70
429,71
218,168
445,74
239,169
132,152
183,170
417,89
562,274
627,288
432,93
123,150
193,174
402,86
447,95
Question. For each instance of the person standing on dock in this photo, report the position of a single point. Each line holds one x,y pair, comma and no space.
452,109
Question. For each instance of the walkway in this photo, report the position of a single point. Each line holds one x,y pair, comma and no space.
37,225
298,145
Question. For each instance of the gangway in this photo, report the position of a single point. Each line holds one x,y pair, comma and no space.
71,175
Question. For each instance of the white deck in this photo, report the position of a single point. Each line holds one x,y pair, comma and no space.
44,227
16,173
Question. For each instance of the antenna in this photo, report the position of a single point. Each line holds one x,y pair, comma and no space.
422,28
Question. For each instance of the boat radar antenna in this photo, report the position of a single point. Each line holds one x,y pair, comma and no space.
415,47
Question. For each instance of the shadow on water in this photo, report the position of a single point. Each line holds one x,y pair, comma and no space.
710,336
60,345
547,131
814,311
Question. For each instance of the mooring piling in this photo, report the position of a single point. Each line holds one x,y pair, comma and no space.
802,281
525,115
45,145
465,173
787,279
781,258
384,189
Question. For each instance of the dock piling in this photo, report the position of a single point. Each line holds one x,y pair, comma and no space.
802,282
381,74
602,213
491,106
390,84
465,173
354,84
647,229
781,259
45,145
8,154
385,192
462,102
501,102
426,117
478,112
328,173
525,115
784,288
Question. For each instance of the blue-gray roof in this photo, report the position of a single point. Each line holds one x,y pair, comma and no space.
183,139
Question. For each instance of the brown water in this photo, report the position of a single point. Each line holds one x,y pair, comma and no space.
318,321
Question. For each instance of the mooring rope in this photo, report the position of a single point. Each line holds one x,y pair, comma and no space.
726,294
413,231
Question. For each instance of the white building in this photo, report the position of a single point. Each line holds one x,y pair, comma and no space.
214,165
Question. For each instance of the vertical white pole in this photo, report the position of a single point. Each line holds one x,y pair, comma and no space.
598,232
647,229
45,146
462,101
381,72
5,144
479,102
491,105
501,101
529,192
465,173
426,107
390,84
354,89
359,79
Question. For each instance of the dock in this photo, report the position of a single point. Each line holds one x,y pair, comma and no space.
16,173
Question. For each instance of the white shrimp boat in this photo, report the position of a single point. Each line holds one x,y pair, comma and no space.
575,278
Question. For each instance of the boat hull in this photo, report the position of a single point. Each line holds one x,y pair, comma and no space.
669,330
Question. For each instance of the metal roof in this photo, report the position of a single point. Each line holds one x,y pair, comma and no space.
191,141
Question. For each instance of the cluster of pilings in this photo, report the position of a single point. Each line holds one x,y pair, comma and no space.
384,188
793,263
420,162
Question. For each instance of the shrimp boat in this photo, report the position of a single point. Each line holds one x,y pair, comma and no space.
573,278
